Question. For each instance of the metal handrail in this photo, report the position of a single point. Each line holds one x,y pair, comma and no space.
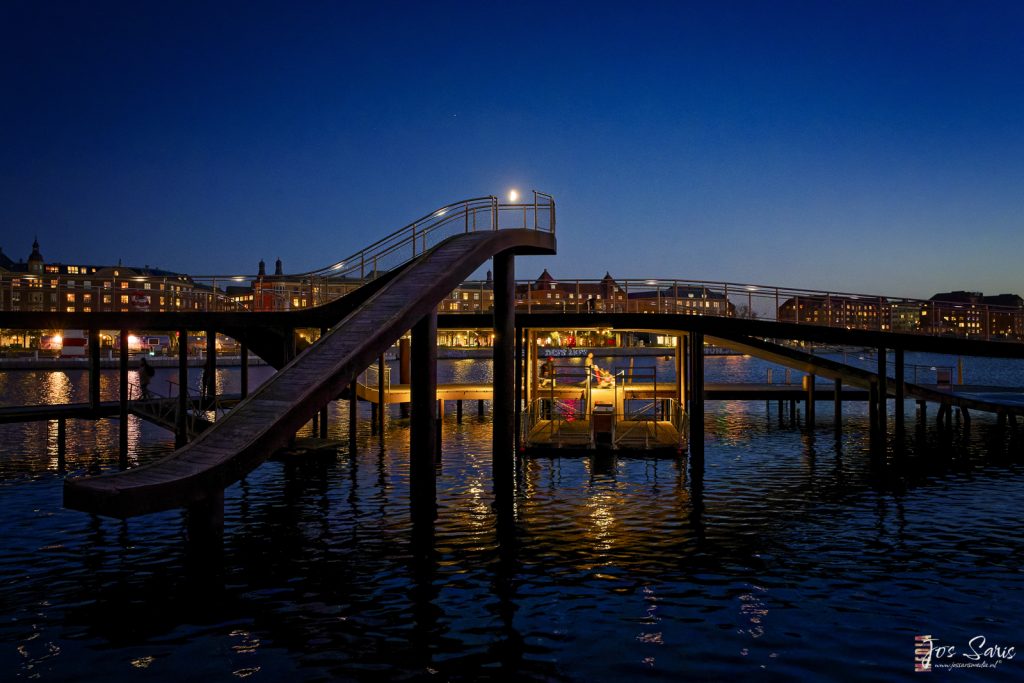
313,287
779,304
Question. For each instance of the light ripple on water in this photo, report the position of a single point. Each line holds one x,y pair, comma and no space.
798,555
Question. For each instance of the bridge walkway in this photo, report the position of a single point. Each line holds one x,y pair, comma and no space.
999,400
265,421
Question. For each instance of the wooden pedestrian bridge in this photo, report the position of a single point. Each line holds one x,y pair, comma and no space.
403,281
407,298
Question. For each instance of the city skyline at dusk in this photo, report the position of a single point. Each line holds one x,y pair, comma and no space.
868,148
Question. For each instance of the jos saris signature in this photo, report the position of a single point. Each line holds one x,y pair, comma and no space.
931,653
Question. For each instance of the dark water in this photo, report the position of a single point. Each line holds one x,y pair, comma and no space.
799,558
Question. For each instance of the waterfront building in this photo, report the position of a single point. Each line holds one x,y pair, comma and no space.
851,312
972,313
548,294
36,285
282,292
681,299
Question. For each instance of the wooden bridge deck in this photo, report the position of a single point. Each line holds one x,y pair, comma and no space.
268,418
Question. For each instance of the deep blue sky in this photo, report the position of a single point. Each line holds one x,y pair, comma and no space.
858,146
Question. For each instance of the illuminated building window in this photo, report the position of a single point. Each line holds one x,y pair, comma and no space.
106,298
87,298
124,298
70,309
124,284
71,297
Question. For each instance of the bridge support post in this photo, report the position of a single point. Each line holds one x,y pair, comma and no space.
353,417
503,435
873,430
697,405
423,424
480,408
458,411
883,396
680,364
518,398
899,408
323,411
404,371
210,368
94,368
381,397
837,406
810,381
243,352
181,433
122,428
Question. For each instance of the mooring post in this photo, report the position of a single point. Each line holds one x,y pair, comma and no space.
480,408
423,424
243,352
810,380
381,397
697,405
899,408
122,428
883,395
458,411
94,368
873,414
404,371
210,369
837,406
353,417
503,434
181,433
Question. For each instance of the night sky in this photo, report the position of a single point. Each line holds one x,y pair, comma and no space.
857,146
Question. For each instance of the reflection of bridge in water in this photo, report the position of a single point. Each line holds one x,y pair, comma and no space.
406,277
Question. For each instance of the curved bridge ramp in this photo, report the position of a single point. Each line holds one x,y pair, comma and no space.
267,419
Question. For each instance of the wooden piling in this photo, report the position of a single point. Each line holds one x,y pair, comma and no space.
122,427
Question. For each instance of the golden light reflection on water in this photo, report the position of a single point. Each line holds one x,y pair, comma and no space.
57,388
142,662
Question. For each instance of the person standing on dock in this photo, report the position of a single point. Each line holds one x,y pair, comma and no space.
588,366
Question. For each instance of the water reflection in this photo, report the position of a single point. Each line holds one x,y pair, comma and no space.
795,553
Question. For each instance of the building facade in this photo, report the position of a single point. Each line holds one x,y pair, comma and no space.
36,285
